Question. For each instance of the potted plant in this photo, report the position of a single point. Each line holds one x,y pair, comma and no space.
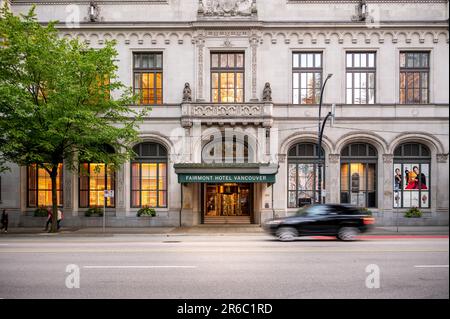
413,212
94,212
146,211
41,212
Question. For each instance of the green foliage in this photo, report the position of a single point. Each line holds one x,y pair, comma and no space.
94,212
55,102
413,212
40,212
146,211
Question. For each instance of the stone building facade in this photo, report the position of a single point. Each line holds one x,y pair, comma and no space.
234,87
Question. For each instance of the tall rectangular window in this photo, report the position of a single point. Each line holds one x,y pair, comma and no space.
148,77
414,77
40,186
360,77
227,77
94,179
306,77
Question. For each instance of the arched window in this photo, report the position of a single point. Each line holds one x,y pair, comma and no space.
237,150
412,176
149,176
40,186
94,179
303,175
359,175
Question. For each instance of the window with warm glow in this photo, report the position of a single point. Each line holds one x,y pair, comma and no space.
359,175
414,77
148,77
40,186
227,77
149,176
95,178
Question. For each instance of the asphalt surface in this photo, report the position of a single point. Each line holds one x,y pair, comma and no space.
213,267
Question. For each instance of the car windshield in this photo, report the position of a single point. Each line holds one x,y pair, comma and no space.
311,211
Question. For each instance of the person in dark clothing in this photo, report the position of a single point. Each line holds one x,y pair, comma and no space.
420,180
5,220
398,179
49,219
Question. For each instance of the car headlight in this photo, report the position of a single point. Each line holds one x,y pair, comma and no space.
274,222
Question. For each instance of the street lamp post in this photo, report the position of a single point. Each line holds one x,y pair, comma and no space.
319,138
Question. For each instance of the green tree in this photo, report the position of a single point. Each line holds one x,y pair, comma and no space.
55,103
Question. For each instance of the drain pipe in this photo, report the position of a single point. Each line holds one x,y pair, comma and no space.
181,208
273,209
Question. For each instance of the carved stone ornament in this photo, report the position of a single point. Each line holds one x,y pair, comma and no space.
267,93
227,7
187,93
388,158
334,158
442,158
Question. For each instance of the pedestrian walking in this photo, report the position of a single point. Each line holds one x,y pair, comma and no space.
49,219
5,221
60,218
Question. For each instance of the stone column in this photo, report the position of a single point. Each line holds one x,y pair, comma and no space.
442,202
385,190
120,191
280,187
332,178
70,191
126,190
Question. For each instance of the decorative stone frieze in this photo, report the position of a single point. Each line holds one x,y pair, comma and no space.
237,113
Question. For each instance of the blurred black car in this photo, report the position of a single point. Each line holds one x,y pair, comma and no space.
343,221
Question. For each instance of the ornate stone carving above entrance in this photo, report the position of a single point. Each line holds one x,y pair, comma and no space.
227,8
442,158
334,158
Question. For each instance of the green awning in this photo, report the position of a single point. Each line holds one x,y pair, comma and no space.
226,173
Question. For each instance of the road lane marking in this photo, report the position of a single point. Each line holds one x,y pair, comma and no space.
262,250
135,267
431,266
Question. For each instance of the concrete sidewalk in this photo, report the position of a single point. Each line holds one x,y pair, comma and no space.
210,230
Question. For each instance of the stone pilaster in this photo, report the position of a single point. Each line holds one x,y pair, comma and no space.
200,46
442,202
332,173
254,58
386,189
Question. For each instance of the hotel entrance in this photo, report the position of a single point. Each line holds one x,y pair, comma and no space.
227,203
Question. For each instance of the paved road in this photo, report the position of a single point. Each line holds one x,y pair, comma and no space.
156,266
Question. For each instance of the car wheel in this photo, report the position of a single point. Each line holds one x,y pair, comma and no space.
347,233
287,234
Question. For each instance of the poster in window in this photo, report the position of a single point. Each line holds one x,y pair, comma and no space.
398,178
424,199
414,178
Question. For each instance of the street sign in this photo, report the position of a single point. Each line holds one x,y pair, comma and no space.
109,193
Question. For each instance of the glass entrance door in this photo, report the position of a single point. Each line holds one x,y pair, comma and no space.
227,200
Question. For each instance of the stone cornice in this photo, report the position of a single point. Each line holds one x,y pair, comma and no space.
86,2
291,25
367,1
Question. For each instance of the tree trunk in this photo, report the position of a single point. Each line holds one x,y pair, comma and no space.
54,177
